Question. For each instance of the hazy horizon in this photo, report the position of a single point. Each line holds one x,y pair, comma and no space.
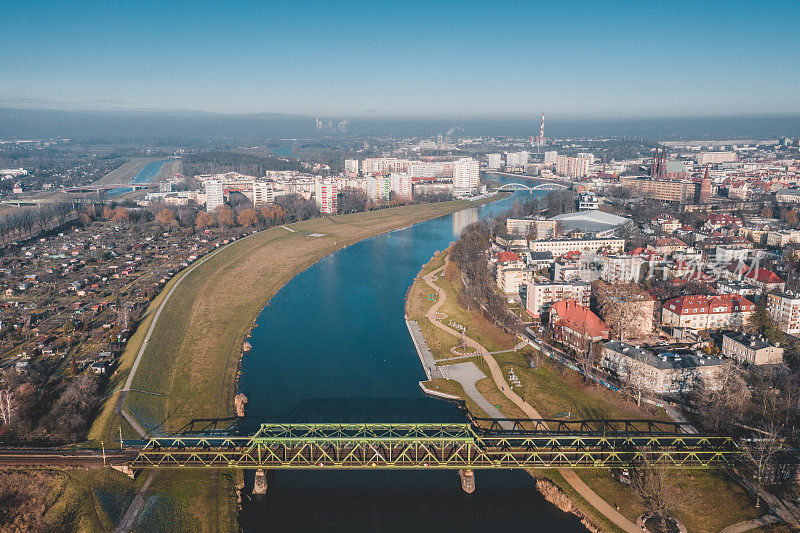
116,125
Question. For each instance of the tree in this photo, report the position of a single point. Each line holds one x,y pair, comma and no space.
166,217
273,214
84,219
725,400
203,220
121,215
247,217
225,216
6,407
759,450
618,305
108,212
654,485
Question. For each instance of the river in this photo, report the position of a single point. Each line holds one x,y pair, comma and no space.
332,345
146,175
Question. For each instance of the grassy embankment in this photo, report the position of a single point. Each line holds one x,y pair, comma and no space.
191,361
705,500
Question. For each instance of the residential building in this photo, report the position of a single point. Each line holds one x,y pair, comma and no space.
401,185
587,201
215,194
263,193
516,159
667,223
378,187
538,227
325,194
664,190
621,268
669,245
731,254
663,372
550,157
745,348
707,311
784,308
629,304
788,196
540,295
572,167
466,176
351,166
510,279
495,161
779,239
574,325
559,247
713,158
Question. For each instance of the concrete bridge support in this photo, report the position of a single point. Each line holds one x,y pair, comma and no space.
467,480
260,485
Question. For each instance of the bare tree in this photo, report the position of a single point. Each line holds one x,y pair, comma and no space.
6,407
654,485
759,450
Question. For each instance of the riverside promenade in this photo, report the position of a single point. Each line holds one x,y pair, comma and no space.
496,372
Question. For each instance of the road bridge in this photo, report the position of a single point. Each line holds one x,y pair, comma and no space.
108,187
513,187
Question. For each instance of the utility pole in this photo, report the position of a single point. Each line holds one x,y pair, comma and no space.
120,438
102,444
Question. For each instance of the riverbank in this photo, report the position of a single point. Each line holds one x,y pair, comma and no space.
554,390
190,365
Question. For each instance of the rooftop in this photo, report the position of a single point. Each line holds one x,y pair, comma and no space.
663,359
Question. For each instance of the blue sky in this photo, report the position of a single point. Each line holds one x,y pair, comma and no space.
478,59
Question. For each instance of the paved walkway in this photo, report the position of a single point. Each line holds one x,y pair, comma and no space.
468,375
747,525
128,521
424,353
497,376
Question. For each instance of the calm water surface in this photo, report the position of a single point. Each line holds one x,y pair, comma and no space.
332,345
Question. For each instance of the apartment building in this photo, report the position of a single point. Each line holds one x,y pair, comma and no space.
351,166
713,158
707,311
750,349
539,227
574,325
325,194
540,295
779,239
621,268
559,247
466,176
401,185
516,159
495,161
573,167
662,372
511,278
215,194
664,190
787,196
784,308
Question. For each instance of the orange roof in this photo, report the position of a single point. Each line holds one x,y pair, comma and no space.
505,257
701,304
579,319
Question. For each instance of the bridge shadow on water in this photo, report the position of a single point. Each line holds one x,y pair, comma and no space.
337,410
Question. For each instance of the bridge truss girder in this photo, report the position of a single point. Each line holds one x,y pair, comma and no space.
420,446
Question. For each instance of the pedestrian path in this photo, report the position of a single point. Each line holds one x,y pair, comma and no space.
497,376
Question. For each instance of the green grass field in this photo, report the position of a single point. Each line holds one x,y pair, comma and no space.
190,365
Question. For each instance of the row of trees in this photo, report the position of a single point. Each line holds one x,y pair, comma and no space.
26,222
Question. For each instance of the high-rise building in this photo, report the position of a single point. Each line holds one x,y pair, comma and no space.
550,157
495,161
378,187
466,176
401,185
263,193
784,308
325,192
573,167
351,165
215,194
516,159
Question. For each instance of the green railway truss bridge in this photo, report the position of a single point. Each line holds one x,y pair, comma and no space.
460,446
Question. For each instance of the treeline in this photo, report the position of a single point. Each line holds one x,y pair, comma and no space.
470,254
26,222
217,162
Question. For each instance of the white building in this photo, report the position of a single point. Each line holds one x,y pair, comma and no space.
215,194
351,165
784,308
401,185
325,192
621,269
466,176
559,247
495,161
516,159
587,201
540,295
550,157
263,193
378,188
705,158
573,167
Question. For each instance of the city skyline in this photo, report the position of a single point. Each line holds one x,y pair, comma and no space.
588,60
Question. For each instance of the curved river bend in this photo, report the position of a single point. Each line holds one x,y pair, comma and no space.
332,345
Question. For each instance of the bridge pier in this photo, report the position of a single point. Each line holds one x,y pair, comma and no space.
260,485
125,469
467,480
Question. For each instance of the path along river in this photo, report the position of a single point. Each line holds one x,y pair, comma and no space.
332,346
